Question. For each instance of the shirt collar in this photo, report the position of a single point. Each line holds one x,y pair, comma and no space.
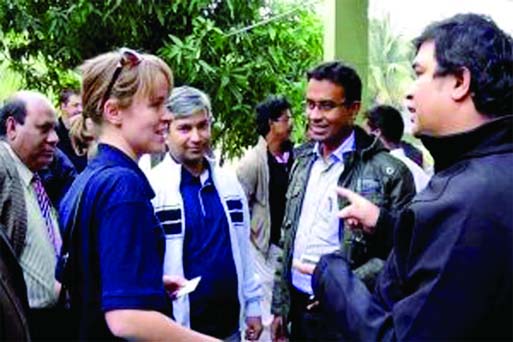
347,145
205,177
108,154
24,172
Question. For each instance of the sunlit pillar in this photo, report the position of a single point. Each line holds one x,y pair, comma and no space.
346,34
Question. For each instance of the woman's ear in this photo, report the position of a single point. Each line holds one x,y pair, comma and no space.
111,112
462,85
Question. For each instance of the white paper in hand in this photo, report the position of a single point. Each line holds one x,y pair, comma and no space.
188,287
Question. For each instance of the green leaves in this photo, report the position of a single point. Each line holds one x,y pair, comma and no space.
228,48
389,67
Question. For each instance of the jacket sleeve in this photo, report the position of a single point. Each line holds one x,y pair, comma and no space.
437,283
345,301
252,288
247,175
281,297
400,187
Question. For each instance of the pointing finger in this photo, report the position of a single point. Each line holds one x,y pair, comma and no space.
348,194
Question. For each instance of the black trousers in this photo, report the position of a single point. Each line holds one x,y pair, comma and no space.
50,324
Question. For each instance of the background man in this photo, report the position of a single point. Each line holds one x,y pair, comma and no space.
263,173
343,155
70,105
27,128
387,124
205,216
449,274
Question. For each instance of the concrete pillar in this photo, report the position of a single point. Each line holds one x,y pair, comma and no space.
346,34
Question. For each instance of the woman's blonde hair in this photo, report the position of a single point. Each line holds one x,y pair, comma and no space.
82,137
134,79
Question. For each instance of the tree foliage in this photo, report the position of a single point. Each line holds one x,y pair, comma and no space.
390,58
206,42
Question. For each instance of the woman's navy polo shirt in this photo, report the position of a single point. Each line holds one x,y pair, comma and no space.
120,248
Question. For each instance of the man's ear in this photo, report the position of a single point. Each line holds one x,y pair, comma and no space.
462,85
111,112
10,128
355,108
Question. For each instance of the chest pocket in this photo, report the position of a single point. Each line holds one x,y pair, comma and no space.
372,189
171,220
235,210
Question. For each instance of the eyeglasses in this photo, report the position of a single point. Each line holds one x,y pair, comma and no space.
323,106
128,57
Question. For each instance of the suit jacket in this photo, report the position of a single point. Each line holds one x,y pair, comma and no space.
13,214
13,228
13,295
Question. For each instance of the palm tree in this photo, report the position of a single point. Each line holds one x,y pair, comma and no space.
389,67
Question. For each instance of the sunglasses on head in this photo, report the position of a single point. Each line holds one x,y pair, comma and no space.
128,58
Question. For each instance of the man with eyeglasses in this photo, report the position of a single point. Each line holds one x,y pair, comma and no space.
205,217
342,155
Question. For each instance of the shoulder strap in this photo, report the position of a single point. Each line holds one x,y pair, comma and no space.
63,264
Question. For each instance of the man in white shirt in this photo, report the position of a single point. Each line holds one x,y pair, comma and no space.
386,123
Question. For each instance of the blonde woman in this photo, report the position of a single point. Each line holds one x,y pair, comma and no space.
117,249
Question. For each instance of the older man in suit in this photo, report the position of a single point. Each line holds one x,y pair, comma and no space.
27,131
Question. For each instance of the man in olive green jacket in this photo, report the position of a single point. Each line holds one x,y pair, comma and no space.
343,155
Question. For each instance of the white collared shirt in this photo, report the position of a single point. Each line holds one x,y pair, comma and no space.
318,227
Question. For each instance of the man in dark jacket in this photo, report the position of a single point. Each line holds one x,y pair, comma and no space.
342,155
70,105
449,274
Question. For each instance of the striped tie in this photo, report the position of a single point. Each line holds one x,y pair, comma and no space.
45,206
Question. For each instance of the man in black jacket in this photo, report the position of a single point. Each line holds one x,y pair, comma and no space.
70,105
449,274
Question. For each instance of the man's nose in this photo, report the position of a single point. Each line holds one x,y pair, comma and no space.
195,134
314,113
53,138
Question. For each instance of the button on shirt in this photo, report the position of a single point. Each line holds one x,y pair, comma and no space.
318,228
38,257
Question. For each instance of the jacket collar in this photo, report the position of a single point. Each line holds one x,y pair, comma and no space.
367,145
495,136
